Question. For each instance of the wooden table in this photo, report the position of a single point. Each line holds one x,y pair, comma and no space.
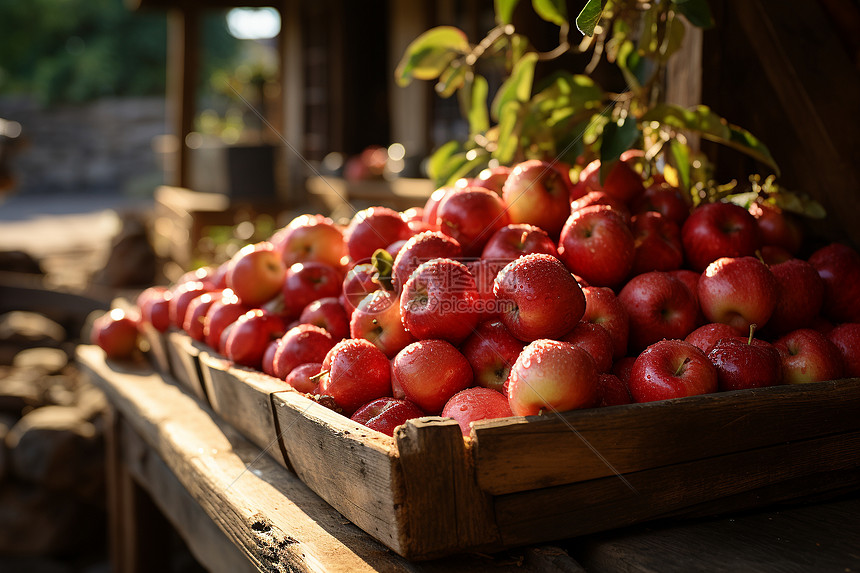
238,510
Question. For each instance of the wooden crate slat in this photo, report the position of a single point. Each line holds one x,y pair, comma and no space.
438,480
350,466
519,454
604,503
242,397
185,357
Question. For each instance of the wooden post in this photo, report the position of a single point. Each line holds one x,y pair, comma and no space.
182,67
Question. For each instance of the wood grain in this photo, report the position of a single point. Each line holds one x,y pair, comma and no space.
185,357
350,466
519,454
242,398
438,481
605,503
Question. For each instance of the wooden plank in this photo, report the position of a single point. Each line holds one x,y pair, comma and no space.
208,544
805,538
185,357
601,504
242,398
156,350
268,513
519,454
350,466
438,480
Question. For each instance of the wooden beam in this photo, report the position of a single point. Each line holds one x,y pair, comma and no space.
183,58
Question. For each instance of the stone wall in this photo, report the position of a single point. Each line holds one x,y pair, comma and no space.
99,147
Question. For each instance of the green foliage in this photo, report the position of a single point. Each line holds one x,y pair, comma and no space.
567,116
78,50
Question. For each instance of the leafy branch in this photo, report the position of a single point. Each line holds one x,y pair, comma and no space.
568,117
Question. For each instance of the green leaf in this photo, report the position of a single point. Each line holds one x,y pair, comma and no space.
711,126
630,64
798,203
505,11
508,139
697,12
479,121
451,80
440,159
383,262
680,160
618,137
554,11
472,162
590,16
430,53
518,86
674,39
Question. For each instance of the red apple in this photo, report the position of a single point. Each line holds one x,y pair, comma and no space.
808,356
431,207
691,281
491,351
622,181
429,372
310,238
420,249
538,193
492,178
776,227
374,228
597,245
612,391
539,297
485,272
593,198
223,312
595,340
116,333
154,305
716,230
183,294
357,372
800,294
413,214
664,199
377,319
745,363
256,273
195,314
475,404
512,241
552,376
671,369
603,308
657,241
839,267
250,335
846,338
772,255
659,306
307,282
438,301
622,368
360,281
709,334
300,345
471,216
738,291
302,378
385,414
327,313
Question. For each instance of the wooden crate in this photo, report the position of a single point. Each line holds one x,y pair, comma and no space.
184,353
427,492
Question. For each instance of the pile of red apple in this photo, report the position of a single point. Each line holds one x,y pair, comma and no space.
520,293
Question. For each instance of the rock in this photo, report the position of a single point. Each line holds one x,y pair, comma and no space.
57,448
132,261
18,393
90,401
34,521
30,326
19,262
47,360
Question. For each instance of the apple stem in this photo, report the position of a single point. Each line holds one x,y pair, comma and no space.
316,377
753,326
681,366
760,257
